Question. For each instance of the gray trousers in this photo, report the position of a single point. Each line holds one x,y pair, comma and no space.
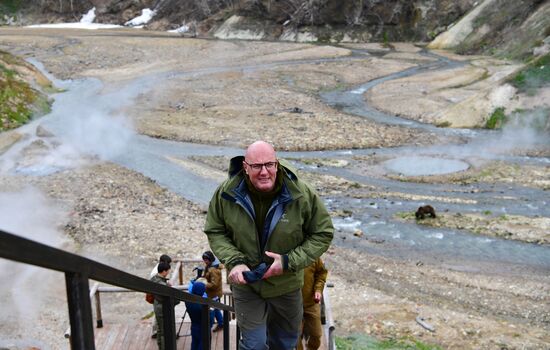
270,323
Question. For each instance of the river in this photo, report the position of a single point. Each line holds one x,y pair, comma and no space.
383,234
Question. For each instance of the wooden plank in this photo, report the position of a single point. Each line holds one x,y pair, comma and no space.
138,335
184,341
121,335
109,340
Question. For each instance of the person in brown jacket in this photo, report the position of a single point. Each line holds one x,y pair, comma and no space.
315,276
213,276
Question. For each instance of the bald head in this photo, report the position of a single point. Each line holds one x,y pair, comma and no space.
259,149
260,164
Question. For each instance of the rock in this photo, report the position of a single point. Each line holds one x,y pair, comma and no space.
43,132
295,110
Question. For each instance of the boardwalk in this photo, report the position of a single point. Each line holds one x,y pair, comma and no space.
137,336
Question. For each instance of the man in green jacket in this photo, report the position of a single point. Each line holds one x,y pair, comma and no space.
266,225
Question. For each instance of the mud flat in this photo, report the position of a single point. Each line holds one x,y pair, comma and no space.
113,212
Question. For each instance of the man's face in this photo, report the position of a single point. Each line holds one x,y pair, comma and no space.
260,163
206,262
262,172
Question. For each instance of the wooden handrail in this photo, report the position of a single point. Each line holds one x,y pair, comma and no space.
79,270
93,291
329,322
176,275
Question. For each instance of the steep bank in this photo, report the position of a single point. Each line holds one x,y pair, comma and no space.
22,92
319,20
505,28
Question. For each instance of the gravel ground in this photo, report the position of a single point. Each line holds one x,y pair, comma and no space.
112,213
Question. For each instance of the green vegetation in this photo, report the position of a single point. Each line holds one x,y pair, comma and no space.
444,124
364,342
386,41
486,212
9,6
18,100
405,215
534,76
15,99
497,119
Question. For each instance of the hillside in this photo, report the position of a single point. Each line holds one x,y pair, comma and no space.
336,20
508,28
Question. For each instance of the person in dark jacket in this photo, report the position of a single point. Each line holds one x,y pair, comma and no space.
266,225
167,259
161,277
195,313
213,276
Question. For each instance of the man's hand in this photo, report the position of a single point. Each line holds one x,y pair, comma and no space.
236,274
317,297
276,267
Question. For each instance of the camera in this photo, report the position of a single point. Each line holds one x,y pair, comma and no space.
200,271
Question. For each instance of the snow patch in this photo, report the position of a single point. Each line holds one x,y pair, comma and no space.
146,16
89,17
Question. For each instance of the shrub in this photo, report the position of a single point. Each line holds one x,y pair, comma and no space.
534,76
497,119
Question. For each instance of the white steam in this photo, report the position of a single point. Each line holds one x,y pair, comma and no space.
32,215
86,123
526,131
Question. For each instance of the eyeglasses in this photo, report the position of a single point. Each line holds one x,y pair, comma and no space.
259,166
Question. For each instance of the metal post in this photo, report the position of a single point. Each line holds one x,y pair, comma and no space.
226,320
238,331
80,311
99,317
180,272
169,323
205,331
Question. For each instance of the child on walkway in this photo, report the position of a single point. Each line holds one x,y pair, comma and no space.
195,313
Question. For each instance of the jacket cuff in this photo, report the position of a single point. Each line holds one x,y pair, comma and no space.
237,262
285,262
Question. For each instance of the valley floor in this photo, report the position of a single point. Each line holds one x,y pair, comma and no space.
231,93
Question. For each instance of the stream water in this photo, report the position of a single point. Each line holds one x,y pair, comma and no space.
76,119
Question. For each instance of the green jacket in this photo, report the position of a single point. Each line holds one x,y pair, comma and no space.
297,225
157,304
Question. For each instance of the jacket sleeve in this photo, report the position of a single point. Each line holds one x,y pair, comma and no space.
320,276
214,279
318,232
218,238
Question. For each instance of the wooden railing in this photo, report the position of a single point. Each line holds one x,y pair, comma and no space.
328,322
79,270
176,281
